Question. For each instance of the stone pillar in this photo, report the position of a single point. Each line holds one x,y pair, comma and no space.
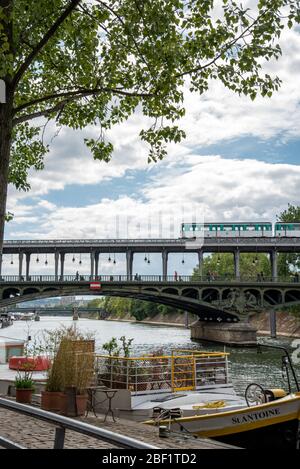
27,265
1,259
129,263
56,263
62,264
273,260
96,264
200,262
234,334
92,263
165,264
273,330
186,319
237,264
20,264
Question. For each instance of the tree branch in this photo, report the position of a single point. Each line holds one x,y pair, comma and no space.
49,34
70,96
225,48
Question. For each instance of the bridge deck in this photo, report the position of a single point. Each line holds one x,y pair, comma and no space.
257,244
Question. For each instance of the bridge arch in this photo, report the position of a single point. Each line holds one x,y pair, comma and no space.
9,292
50,289
210,294
273,296
170,291
190,293
292,296
30,291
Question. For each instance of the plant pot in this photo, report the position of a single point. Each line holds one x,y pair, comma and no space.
24,395
81,404
51,400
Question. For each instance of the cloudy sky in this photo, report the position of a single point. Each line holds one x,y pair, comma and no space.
240,161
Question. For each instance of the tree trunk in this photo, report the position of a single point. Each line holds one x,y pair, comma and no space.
5,143
6,115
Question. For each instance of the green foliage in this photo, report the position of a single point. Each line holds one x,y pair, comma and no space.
289,263
24,379
112,347
223,265
138,309
126,345
291,214
81,63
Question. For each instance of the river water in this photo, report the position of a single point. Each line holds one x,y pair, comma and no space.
246,365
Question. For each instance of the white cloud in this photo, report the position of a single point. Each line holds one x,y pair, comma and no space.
223,188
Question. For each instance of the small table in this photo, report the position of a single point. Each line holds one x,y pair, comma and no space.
92,402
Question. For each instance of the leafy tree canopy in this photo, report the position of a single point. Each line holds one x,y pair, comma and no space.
289,263
291,214
93,62
223,265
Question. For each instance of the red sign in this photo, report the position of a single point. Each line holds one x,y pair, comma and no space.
95,286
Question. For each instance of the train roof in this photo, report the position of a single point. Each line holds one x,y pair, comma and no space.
229,222
287,223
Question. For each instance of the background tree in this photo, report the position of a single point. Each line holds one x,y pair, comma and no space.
81,62
289,263
223,265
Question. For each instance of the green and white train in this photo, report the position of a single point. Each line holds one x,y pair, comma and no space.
240,229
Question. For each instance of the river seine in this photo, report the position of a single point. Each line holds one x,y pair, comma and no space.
246,364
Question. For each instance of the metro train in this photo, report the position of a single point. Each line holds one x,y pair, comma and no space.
240,229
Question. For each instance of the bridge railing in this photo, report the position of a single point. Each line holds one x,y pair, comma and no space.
180,371
83,279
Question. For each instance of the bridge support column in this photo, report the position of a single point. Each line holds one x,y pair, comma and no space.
96,264
20,264
56,263
273,329
200,262
129,263
27,265
92,263
62,264
273,260
235,334
165,264
237,273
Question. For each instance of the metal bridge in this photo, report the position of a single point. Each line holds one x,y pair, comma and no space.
24,249
60,311
219,299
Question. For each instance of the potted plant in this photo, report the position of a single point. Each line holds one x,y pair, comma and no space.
52,395
116,369
75,362
24,386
